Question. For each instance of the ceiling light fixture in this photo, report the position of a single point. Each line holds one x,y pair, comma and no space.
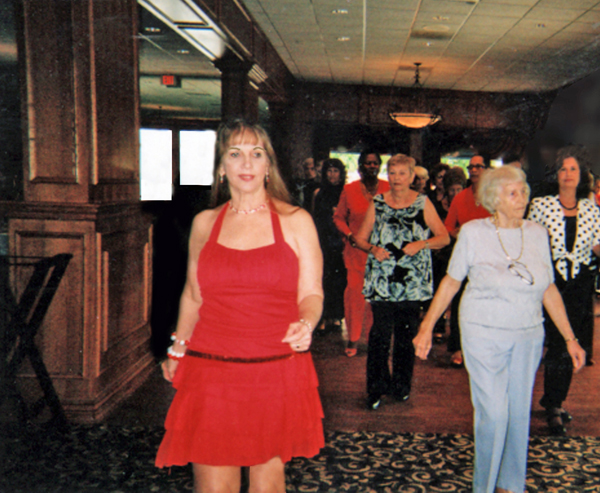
339,11
416,119
343,39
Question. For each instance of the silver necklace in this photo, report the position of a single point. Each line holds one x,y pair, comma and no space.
514,266
502,244
247,211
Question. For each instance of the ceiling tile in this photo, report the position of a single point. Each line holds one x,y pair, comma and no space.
567,4
542,14
489,40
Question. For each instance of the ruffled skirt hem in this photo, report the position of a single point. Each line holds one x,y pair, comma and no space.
242,414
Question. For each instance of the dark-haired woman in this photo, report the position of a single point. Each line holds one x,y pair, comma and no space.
348,218
246,385
573,223
333,178
437,194
454,182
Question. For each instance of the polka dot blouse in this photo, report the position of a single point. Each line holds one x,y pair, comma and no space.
547,211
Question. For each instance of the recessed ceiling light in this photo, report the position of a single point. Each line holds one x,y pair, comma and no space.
339,11
436,28
343,38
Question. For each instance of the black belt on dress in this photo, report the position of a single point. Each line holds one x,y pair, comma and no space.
235,359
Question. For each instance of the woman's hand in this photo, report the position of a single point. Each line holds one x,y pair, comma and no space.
380,254
422,342
577,354
413,248
298,336
169,367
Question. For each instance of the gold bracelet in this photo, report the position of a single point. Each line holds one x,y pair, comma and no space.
572,339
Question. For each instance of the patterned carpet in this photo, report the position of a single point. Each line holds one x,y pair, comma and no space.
109,459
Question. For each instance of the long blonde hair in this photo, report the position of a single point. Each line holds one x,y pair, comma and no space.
239,132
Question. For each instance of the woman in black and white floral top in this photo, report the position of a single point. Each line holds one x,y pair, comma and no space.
573,223
400,227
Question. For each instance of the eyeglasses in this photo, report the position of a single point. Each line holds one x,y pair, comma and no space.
372,162
475,166
518,269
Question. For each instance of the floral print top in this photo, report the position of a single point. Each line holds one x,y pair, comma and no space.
401,277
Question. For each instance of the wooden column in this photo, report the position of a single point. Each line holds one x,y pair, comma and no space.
238,97
81,188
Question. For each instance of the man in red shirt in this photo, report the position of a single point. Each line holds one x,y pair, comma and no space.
464,208
348,218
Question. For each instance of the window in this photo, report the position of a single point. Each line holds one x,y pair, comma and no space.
350,160
196,157
156,171
196,150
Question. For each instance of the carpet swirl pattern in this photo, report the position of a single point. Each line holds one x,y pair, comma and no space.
106,459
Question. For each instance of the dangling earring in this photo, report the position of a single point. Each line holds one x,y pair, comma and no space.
267,177
222,178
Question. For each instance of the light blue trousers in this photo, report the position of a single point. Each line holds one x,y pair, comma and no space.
501,374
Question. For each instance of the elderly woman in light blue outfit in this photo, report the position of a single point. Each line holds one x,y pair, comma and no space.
510,276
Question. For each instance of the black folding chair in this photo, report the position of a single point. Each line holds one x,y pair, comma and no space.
20,321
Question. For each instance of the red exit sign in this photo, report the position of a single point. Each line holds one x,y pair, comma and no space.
171,81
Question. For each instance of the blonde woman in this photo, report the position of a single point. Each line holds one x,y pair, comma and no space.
400,228
246,385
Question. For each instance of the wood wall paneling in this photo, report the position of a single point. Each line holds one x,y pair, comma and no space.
95,336
494,121
60,339
116,102
50,107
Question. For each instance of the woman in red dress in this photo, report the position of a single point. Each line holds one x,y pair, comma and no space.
246,385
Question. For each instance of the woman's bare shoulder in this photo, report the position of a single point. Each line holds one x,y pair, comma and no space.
286,210
202,225
206,217
294,220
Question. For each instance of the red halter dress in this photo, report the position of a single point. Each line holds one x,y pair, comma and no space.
246,411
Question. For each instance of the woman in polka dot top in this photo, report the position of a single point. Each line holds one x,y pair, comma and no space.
573,223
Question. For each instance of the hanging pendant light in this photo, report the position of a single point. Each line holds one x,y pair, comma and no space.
416,119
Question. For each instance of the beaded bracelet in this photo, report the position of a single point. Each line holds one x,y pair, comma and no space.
181,342
572,339
174,355
307,323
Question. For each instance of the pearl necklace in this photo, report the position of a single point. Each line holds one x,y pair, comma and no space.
247,211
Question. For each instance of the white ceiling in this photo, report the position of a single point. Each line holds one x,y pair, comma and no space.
485,45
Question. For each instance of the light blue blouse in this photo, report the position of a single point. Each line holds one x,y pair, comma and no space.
495,296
